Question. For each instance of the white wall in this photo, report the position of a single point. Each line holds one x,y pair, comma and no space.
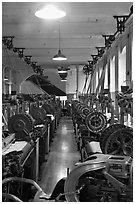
71,81
81,79
20,71
71,84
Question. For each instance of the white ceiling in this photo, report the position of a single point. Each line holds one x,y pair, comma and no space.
81,30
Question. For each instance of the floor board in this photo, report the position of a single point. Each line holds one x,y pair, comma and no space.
63,154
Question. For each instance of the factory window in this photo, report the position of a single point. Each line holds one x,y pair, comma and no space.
112,80
122,69
112,75
97,79
100,71
106,77
94,82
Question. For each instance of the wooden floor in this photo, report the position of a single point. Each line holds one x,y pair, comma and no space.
63,154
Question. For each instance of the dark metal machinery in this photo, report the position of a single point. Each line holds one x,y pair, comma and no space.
106,168
110,177
25,145
105,173
91,124
102,178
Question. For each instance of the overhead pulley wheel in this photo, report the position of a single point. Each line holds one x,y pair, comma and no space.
96,121
120,142
19,123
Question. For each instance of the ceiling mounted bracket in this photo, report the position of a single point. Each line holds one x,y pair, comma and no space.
90,63
95,58
27,59
8,41
121,23
131,10
108,40
37,69
101,51
19,51
33,64
15,49
86,70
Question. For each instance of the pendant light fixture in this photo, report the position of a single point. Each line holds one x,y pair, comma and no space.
63,76
64,79
63,72
50,12
59,56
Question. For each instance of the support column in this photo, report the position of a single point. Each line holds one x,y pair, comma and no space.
129,50
10,82
116,81
77,81
3,81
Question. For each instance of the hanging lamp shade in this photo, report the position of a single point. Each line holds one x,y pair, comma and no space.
62,71
59,56
50,12
63,75
64,79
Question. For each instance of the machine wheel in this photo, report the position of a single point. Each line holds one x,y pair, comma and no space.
38,113
107,132
96,121
120,142
31,120
20,122
48,108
